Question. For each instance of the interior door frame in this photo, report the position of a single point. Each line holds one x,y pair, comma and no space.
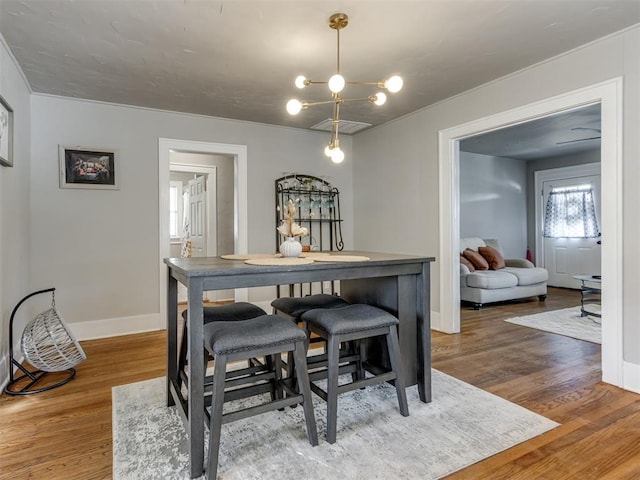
542,176
240,180
609,94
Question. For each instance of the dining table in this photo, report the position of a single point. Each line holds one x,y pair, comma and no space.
397,283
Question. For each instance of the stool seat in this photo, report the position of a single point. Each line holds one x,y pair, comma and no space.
352,318
229,312
243,335
296,306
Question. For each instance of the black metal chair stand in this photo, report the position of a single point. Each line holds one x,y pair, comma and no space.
357,323
57,354
268,336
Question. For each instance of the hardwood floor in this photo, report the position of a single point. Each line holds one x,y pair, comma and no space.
66,433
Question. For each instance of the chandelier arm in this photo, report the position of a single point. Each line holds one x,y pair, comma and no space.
362,99
357,82
313,104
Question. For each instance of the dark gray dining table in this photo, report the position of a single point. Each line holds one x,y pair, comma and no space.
398,283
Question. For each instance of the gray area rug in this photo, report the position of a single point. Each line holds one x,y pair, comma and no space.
567,322
461,426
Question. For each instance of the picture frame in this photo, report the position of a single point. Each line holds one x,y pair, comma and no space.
89,168
6,133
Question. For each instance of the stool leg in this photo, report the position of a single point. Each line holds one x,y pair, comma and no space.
305,389
182,355
217,400
333,366
394,358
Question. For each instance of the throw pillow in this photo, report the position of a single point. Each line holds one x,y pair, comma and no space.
478,260
467,263
493,257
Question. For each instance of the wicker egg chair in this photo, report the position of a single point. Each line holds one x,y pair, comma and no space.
48,345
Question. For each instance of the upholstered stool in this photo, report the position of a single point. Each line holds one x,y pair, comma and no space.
354,322
222,313
294,307
267,335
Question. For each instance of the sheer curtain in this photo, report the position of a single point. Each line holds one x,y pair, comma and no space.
571,213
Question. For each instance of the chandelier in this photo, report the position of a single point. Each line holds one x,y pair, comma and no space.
336,85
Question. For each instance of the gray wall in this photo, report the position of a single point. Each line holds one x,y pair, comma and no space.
493,201
15,213
402,157
104,255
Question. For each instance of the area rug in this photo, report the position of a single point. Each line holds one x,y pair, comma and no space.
461,426
567,322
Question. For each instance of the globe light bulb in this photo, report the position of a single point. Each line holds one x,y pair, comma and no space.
327,150
337,155
300,79
381,98
336,83
294,106
394,84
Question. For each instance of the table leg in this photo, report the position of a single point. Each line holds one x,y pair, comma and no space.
195,327
424,333
172,336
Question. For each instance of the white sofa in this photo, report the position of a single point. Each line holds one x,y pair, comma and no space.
519,279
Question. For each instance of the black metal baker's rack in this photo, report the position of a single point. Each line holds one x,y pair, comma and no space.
317,208
317,205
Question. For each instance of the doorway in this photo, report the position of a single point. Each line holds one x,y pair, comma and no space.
572,253
609,95
194,216
239,227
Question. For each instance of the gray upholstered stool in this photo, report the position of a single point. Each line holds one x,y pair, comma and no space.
222,313
354,322
267,335
294,307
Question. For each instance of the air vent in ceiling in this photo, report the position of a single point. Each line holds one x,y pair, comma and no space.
345,126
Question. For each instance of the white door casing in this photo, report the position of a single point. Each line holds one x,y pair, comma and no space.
609,95
239,153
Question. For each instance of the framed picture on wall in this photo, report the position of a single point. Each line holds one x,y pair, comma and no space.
92,168
6,134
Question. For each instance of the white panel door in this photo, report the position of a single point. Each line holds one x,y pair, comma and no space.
197,216
566,257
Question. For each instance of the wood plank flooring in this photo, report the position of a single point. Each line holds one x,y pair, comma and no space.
66,433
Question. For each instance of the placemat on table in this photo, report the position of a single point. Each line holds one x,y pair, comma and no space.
341,258
313,254
278,261
247,256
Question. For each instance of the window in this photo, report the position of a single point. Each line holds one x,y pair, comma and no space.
571,213
175,209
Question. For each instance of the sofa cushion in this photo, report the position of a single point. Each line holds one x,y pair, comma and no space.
528,276
478,260
491,280
493,257
467,263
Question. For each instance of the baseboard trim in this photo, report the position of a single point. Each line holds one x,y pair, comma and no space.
113,327
436,323
631,377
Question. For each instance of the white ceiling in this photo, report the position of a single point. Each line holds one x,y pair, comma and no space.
238,59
